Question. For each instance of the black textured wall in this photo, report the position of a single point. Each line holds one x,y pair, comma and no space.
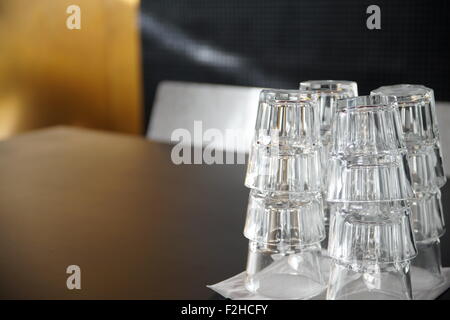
279,43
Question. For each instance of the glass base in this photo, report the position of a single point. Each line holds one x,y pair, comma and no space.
426,268
380,282
285,286
292,272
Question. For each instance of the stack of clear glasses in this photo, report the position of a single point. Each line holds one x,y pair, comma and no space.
371,242
419,124
327,92
285,223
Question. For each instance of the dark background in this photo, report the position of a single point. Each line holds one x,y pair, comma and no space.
279,43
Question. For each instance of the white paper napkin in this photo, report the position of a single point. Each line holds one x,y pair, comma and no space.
234,287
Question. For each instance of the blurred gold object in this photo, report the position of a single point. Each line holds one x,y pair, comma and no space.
51,75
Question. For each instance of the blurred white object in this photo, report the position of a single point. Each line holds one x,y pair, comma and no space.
180,105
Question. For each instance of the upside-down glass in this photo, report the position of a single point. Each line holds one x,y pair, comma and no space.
371,245
284,218
382,281
370,241
427,215
419,123
426,267
327,92
285,222
418,116
371,232
285,153
368,159
284,272
285,231
428,225
422,164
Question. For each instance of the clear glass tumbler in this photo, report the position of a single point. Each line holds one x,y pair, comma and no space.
284,271
419,122
428,225
285,153
288,218
419,125
371,246
285,231
427,217
422,164
371,232
368,160
327,92
383,281
426,267
284,218
371,241
367,128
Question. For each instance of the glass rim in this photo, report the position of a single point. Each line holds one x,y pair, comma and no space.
286,195
284,245
405,93
328,86
365,103
284,98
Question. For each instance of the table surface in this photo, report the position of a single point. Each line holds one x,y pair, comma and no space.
138,226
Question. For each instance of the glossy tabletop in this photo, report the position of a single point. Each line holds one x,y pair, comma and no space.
138,226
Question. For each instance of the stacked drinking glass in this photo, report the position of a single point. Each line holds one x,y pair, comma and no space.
285,223
327,92
419,124
370,242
